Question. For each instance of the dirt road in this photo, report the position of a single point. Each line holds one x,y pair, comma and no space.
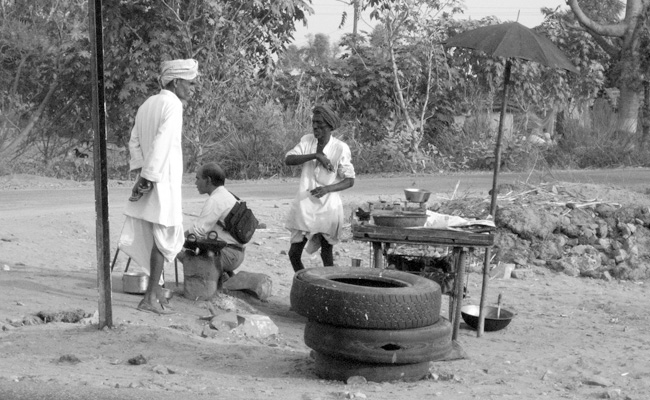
572,337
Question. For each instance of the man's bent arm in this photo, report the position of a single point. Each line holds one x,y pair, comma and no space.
337,187
297,159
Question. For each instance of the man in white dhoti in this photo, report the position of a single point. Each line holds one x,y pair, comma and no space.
153,230
316,215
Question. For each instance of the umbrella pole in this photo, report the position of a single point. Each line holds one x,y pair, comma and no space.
493,203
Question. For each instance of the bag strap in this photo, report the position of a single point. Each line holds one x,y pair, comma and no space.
221,224
238,199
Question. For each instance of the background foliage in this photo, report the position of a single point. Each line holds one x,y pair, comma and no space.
402,96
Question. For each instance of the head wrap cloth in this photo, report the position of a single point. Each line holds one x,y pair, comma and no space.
328,115
178,69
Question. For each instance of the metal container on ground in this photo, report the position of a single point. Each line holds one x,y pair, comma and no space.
135,282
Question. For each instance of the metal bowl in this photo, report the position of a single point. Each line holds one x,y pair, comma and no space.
417,195
470,314
399,219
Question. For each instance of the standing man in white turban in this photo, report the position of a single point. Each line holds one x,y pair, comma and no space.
316,215
153,230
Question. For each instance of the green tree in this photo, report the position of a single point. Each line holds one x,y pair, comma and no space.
44,76
626,42
412,40
234,41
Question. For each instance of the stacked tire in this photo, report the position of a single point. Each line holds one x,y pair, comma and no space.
383,325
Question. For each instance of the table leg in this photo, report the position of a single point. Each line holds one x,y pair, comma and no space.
378,255
461,254
484,288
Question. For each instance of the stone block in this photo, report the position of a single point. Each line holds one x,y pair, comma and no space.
606,244
502,271
259,326
225,321
256,283
620,256
522,273
632,228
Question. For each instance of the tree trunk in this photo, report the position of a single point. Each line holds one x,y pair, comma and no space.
8,150
645,116
628,110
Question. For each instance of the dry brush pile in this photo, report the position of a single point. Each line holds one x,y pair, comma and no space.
559,228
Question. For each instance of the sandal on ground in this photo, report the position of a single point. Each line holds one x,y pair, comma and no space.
146,307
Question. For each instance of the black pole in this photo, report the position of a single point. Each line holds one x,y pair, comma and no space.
101,177
497,150
493,203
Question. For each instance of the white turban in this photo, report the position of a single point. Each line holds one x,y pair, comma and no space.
178,69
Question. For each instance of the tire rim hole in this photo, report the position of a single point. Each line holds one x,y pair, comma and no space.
369,283
391,347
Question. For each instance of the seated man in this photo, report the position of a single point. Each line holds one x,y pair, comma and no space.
210,179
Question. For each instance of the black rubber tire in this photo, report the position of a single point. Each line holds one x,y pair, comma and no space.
365,298
404,346
335,369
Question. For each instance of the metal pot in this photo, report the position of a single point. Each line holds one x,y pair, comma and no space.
135,282
417,195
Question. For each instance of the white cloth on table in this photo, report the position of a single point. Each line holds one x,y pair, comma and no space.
309,215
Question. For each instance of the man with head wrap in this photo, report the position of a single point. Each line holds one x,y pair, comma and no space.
316,215
153,230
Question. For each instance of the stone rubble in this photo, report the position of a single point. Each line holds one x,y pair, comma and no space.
557,229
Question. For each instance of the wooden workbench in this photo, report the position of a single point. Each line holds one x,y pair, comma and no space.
461,241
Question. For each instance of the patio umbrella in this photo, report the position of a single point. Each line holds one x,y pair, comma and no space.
509,40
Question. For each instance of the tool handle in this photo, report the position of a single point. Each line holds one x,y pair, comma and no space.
499,306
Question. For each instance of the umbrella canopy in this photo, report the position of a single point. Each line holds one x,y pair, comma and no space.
513,40
509,40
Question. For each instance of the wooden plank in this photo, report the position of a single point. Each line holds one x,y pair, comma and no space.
449,237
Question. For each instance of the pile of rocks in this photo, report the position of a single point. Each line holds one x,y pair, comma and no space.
561,230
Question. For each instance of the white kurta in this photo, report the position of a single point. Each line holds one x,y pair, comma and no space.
215,209
310,215
155,146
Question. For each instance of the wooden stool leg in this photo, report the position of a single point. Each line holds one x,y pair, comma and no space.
117,251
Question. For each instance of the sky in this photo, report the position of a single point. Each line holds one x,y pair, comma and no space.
327,15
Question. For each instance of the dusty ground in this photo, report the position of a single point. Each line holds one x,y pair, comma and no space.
572,338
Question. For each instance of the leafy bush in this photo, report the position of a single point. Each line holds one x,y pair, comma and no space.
256,140
598,146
